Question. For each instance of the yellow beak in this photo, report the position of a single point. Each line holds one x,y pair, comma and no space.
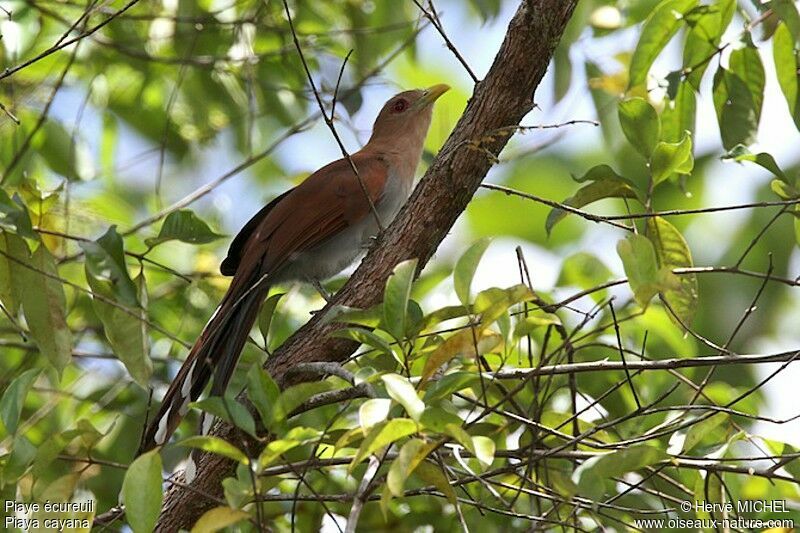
432,94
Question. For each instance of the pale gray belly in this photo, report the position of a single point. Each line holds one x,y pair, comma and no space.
340,251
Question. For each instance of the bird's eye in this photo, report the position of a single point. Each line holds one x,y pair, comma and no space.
399,106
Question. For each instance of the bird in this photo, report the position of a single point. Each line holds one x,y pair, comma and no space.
309,233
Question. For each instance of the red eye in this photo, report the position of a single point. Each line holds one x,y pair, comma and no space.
399,106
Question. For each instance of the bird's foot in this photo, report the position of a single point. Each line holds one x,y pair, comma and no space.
371,241
321,290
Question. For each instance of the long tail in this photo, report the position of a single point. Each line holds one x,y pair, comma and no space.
215,353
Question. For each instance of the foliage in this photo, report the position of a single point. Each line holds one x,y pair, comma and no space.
583,402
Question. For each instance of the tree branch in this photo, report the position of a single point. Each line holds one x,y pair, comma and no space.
499,101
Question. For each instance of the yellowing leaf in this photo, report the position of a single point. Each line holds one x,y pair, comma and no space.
462,343
218,518
492,303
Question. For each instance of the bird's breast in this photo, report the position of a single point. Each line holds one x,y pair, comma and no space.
340,250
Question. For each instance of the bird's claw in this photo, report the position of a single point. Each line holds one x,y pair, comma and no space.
370,242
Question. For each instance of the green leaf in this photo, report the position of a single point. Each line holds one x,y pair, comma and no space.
440,420
763,159
591,476
350,315
487,9
267,313
293,397
402,391
639,260
14,399
142,492
382,435
787,11
14,216
787,68
736,111
275,449
445,313
184,226
238,492
465,269
598,190
746,63
45,305
679,114
60,490
209,443
23,452
657,31
456,430
797,225
784,190
450,383
124,323
704,37
396,296
535,319
672,158
411,455
64,153
49,451
700,430
127,334
218,518
432,475
230,410
373,411
640,124
672,252
484,450
106,271
494,302
584,270
262,392
364,336
14,254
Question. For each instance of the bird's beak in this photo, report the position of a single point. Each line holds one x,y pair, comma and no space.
432,94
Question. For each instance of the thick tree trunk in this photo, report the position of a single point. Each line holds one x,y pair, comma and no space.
498,104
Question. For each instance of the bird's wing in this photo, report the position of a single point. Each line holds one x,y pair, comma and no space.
231,262
323,205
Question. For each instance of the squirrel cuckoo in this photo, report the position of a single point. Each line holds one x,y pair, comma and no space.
309,233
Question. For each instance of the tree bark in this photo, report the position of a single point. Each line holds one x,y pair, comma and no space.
498,104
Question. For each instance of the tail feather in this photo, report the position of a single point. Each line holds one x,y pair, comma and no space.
216,353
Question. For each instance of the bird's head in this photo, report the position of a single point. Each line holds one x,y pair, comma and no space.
406,116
